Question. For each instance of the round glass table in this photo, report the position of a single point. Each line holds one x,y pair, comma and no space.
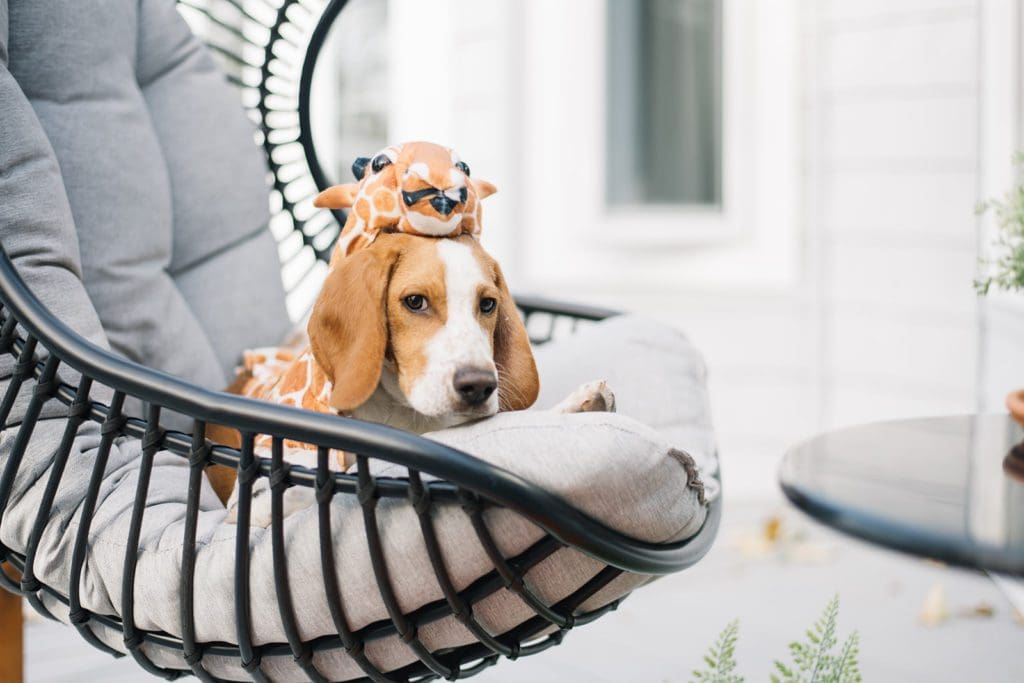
948,488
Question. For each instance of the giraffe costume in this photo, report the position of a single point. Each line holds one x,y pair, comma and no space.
416,187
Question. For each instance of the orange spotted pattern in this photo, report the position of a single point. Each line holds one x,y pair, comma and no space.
377,204
292,378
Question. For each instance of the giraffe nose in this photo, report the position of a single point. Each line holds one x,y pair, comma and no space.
442,205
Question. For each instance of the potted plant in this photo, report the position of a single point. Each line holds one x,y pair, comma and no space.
1006,270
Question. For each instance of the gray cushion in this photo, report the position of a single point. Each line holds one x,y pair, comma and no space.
609,465
36,228
162,176
657,374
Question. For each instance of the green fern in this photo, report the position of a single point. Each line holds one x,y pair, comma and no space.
1006,271
813,661
721,658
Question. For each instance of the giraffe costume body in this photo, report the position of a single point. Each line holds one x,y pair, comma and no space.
419,188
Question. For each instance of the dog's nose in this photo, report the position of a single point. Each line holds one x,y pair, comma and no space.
442,205
475,385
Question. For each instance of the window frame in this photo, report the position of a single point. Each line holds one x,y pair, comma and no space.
750,240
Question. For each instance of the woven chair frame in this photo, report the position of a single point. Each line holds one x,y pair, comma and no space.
274,77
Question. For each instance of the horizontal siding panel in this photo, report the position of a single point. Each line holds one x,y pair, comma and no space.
936,208
902,356
854,403
916,55
918,281
854,14
921,131
771,408
745,341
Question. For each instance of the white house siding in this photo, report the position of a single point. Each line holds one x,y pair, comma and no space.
880,320
896,105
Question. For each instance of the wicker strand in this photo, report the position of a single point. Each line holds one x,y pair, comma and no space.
198,458
77,413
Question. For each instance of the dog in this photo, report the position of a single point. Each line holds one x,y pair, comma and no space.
413,332
419,188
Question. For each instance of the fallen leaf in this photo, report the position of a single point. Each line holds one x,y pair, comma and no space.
982,610
934,610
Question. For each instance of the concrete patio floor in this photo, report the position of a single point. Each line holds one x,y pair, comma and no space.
776,590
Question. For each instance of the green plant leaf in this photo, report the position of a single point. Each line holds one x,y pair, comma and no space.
1006,270
813,661
721,658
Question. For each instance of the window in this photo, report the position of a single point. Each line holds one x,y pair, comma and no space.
664,102
349,113
662,144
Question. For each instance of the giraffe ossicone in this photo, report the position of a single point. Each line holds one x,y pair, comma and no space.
419,188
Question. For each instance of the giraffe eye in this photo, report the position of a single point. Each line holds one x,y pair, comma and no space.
380,161
462,166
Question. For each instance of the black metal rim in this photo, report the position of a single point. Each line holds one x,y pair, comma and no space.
551,513
26,326
316,43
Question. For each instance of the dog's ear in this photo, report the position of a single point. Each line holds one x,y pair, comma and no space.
337,197
482,188
348,326
518,382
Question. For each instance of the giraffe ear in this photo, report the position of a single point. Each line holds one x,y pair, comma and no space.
482,188
337,197
359,167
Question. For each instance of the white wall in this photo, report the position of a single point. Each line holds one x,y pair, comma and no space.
879,319
895,107
884,322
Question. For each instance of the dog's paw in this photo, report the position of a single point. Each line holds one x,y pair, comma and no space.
592,397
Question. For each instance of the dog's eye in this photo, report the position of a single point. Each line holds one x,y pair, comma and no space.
415,302
488,304
380,161
462,166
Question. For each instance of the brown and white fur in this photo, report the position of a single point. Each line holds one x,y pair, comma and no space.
416,333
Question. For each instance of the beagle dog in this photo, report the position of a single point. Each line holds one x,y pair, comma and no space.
413,332
419,188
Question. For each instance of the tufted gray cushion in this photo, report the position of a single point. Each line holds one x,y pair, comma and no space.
611,466
164,182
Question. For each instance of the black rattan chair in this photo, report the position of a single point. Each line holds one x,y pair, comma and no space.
274,78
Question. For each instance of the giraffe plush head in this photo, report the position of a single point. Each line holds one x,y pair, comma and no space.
418,188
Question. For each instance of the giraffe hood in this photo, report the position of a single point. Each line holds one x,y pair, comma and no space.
419,188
